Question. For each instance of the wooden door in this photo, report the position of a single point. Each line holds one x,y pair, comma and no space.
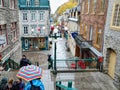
112,63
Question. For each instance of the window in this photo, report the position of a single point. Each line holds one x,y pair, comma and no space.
12,4
102,5
93,6
91,32
116,17
25,29
83,4
33,16
36,2
28,3
0,2
85,32
41,30
24,16
33,29
41,15
87,6
99,37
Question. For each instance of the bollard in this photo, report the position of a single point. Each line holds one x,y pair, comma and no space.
69,84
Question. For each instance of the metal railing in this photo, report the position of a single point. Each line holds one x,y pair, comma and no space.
60,86
76,64
10,64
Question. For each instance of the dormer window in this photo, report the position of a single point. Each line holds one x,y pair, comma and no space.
37,2
28,2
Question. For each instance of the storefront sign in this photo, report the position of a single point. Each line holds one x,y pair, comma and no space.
2,40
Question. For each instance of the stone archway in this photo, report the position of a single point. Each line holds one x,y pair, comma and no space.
111,62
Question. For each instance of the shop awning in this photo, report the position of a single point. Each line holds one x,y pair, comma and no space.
80,41
85,44
96,52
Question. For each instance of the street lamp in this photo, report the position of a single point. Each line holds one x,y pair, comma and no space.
55,47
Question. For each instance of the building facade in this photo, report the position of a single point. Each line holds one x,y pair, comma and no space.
112,42
91,33
9,31
34,24
73,26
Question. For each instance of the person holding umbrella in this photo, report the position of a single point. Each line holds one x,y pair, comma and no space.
32,74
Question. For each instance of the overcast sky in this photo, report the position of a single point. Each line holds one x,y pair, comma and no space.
55,4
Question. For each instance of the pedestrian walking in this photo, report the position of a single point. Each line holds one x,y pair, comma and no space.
24,61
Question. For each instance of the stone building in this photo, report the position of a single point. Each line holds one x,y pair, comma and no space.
9,31
34,24
112,42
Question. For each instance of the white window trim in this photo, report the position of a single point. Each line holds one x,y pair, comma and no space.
113,11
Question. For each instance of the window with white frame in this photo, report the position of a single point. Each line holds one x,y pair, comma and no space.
12,4
33,16
41,30
28,2
116,16
41,15
24,16
33,29
25,28
36,2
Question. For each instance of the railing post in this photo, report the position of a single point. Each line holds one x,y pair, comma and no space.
69,84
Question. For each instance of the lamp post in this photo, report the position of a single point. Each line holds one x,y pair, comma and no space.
55,47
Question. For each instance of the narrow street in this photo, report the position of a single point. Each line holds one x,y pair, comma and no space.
80,80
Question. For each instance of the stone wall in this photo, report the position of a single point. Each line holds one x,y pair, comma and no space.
112,41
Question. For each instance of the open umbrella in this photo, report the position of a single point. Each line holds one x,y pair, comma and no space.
29,72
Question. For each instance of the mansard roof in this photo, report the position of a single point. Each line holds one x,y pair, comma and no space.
44,4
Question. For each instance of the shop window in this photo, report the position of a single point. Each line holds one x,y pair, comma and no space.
116,17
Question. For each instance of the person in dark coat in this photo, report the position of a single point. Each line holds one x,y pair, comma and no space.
24,61
3,83
49,62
